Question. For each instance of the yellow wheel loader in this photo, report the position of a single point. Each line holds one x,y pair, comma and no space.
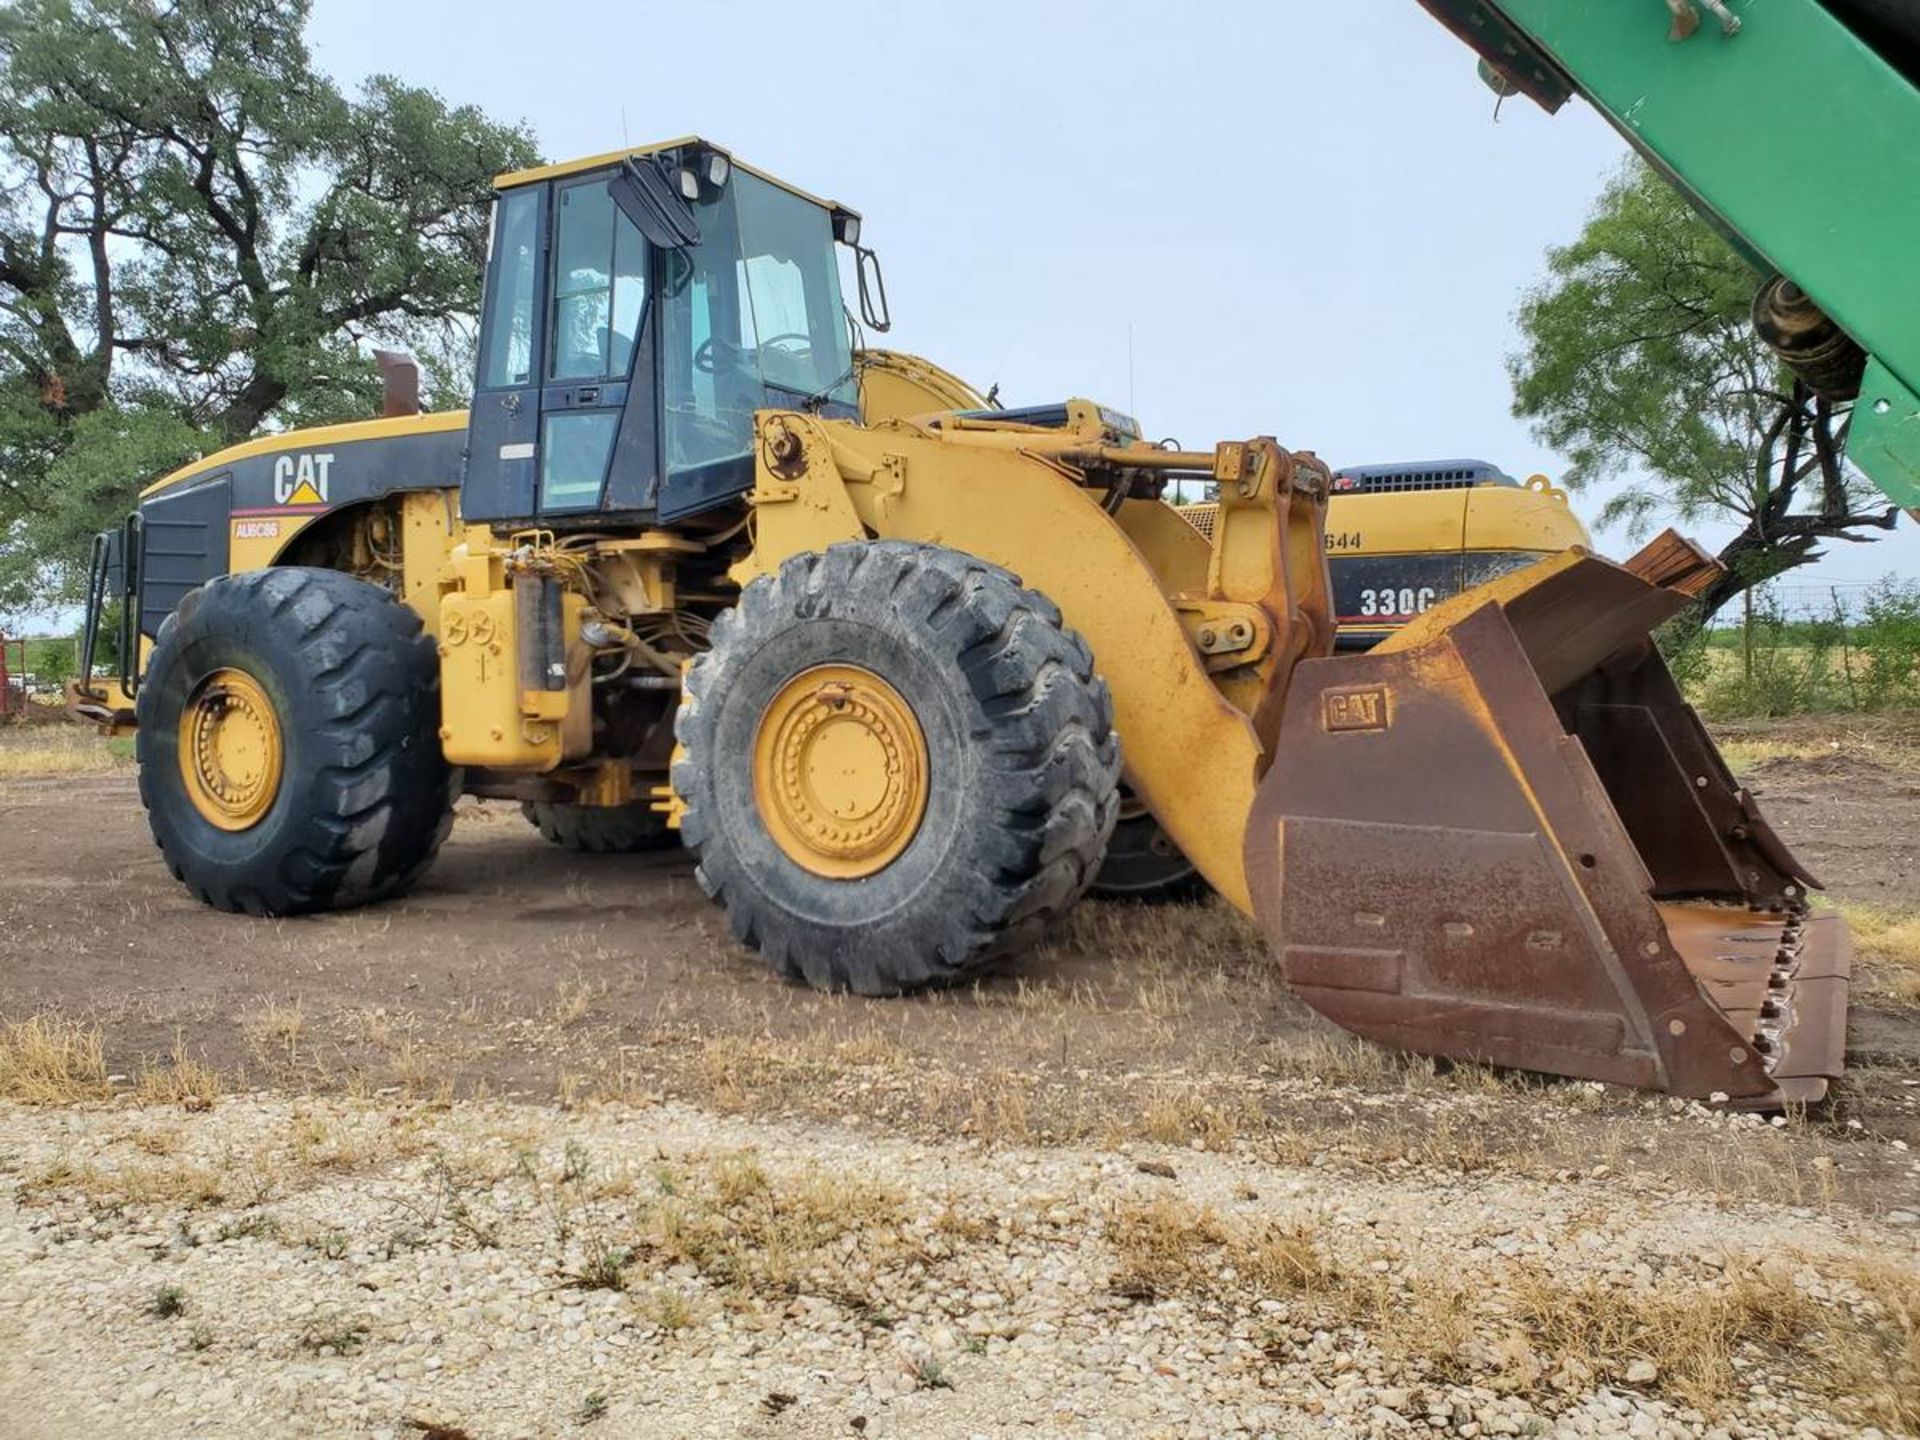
886,679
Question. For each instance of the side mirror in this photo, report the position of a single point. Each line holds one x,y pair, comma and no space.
645,197
873,289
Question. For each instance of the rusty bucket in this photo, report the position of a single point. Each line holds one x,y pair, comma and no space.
1503,836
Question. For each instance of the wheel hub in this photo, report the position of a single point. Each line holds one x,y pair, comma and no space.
840,771
230,750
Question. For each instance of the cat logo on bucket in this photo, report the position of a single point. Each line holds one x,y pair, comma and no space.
1356,709
302,479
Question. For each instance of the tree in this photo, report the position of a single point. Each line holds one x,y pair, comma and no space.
1639,359
201,237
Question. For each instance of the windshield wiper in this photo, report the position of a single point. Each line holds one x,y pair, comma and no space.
814,400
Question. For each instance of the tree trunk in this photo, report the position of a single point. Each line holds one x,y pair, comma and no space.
1751,559
251,406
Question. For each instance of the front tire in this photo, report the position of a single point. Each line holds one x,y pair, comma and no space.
897,766
288,743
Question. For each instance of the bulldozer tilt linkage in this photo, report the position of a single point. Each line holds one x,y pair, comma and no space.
893,670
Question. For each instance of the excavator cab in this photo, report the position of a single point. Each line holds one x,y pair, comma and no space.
639,309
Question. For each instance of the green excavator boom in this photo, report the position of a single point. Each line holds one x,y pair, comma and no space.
1794,127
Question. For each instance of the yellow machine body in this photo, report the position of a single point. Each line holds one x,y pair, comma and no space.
1499,834
491,715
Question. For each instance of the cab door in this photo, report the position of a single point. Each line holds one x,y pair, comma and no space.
599,289
503,429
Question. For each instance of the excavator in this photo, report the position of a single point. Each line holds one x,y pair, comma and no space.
892,680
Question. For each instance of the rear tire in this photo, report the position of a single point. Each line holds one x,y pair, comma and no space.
1015,777
1144,866
601,829
360,795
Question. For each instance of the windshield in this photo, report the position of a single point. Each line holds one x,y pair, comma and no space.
792,279
753,320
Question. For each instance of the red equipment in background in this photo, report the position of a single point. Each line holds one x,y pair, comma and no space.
13,675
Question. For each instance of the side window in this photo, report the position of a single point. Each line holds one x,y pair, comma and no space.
599,286
509,358
574,448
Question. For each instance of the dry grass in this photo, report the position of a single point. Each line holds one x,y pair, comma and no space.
314,1142
1175,1117
1888,941
183,1081
1891,740
1523,1328
34,750
573,1000
1561,1332
671,1310
1170,1246
47,1061
1744,755
273,1031
413,1070
177,1183
737,1073
754,1232
1877,1357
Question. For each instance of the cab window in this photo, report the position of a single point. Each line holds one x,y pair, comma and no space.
751,316
599,286
508,361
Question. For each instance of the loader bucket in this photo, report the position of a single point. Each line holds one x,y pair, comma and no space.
1503,836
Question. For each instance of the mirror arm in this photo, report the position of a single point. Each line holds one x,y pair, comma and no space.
882,320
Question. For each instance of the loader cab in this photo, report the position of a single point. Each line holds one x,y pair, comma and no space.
639,309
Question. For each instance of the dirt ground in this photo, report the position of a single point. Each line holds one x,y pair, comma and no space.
520,970
539,1146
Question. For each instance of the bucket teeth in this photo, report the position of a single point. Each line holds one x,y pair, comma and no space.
1781,982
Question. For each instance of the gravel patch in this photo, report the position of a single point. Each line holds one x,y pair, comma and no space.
285,1266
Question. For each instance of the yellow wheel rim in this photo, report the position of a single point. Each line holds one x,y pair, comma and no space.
230,750
840,771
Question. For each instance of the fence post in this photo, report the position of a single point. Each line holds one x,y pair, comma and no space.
1846,649
1746,633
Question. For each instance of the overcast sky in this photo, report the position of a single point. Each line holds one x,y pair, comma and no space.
1302,215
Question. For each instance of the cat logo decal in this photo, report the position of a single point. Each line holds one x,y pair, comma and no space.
302,479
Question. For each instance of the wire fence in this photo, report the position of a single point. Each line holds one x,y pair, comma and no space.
1798,644
1844,601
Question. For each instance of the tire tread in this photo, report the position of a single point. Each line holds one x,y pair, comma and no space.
375,782
1051,758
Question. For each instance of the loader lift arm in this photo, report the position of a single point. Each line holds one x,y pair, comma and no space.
1794,136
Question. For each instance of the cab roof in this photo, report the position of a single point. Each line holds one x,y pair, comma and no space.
562,168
